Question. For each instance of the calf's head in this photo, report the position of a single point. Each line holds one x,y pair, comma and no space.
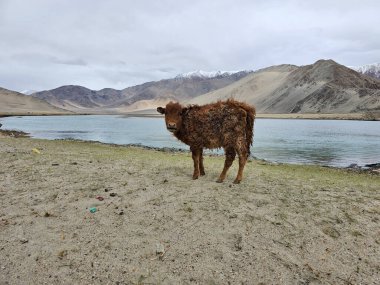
173,116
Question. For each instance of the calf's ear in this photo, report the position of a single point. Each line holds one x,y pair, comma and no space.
161,110
183,111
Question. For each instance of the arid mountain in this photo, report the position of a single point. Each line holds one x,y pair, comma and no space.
372,70
322,87
78,98
14,103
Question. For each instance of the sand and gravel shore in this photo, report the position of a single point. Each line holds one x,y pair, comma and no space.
284,224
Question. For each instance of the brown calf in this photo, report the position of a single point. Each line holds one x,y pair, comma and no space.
227,124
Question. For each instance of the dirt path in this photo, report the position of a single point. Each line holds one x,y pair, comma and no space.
283,225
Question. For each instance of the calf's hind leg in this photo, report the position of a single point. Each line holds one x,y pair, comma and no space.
201,167
230,156
243,156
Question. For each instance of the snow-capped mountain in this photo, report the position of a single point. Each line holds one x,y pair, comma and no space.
28,92
372,70
208,74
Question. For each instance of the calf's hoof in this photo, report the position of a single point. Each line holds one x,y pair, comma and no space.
203,173
195,177
219,180
237,181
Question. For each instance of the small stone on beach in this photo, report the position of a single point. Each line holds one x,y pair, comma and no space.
160,249
24,240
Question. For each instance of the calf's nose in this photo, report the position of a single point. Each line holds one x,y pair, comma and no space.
171,125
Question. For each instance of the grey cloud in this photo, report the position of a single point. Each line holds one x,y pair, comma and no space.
77,61
39,58
97,44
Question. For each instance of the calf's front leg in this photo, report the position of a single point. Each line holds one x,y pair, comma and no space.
195,154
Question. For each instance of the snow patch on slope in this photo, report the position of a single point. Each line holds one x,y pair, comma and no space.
207,74
368,69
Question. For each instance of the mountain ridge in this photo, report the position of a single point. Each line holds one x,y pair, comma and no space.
74,97
322,87
15,103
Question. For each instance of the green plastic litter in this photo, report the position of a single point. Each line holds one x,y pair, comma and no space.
93,210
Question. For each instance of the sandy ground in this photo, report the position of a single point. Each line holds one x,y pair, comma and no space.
283,225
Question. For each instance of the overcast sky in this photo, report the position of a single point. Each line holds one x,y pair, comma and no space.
98,43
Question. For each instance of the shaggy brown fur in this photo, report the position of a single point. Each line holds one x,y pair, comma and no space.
227,124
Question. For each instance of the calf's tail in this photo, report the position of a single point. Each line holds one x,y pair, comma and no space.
251,114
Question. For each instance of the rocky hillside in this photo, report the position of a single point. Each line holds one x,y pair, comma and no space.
322,87
78,98
14,103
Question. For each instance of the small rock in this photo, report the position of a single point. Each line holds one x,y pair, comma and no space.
354,166
121,213
373,165
24,240
113,194
62,254
74,163
232,216
238,243
54,164
160,249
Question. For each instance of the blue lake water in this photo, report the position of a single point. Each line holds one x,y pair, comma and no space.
323,142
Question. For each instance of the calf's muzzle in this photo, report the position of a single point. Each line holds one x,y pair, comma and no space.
171,127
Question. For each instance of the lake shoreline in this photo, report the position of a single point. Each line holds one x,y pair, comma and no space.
311,116
372,168
87,212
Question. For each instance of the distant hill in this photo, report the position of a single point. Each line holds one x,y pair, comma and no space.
79,99
14,103
322,87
